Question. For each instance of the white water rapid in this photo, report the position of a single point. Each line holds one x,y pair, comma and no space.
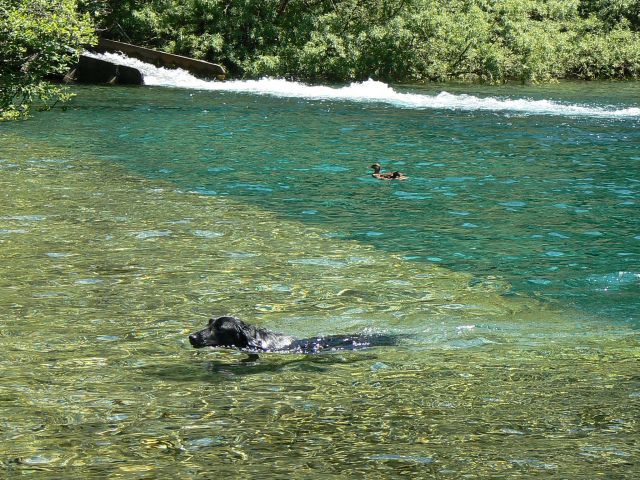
369,91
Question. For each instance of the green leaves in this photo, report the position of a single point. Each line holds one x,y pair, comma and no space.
38,38
398,40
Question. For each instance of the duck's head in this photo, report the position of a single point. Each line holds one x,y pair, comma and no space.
376,167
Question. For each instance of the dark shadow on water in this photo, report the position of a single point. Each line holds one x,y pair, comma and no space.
231,366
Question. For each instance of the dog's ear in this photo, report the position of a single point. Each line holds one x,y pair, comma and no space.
243,339
247,336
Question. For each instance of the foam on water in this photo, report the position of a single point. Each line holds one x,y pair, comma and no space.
367,92
614,281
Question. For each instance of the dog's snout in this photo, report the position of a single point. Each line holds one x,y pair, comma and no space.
195,339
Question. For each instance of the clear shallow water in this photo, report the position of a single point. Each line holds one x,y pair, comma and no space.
508,263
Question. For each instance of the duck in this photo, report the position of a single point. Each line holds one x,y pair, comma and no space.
386,176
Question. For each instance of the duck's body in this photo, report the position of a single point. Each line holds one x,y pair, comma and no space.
386,176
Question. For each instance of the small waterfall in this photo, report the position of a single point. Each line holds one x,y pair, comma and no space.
370,91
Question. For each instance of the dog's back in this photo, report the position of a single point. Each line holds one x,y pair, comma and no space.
341,342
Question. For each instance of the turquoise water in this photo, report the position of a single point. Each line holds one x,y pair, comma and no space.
508,264
549,203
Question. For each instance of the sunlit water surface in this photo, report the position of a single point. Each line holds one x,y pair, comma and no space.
507,265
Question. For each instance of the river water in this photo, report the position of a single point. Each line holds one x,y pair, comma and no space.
508,264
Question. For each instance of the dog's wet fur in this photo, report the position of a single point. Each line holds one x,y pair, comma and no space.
231,332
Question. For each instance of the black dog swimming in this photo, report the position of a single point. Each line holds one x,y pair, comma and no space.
231,332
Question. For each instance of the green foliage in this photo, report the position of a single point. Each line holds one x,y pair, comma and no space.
395,40
612,12
38,38
399,40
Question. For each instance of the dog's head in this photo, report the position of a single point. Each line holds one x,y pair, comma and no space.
229,332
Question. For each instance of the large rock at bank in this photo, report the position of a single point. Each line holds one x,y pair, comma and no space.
93,70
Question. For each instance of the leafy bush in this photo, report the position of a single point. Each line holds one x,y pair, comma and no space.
38,38
394,40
